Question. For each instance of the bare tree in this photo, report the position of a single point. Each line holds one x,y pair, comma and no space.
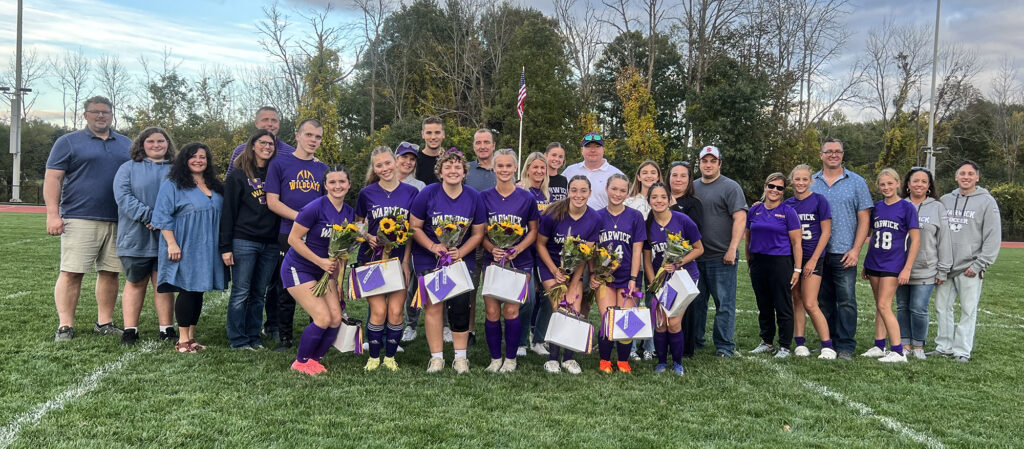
33,70
277,42
957,68
1006,136
582,37
655,12
71,72
113,80
375,12
898,58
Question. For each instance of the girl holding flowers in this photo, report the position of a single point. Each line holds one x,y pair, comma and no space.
512,218
384,206
447,204
622,232
309,260
668,229
566,222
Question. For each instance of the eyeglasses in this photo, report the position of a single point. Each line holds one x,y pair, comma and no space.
775,187
832,153
265,143
678,163
101,112
593,138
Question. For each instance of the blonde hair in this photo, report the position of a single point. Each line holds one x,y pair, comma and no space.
545,184
888,171
801,167
371,176
773,177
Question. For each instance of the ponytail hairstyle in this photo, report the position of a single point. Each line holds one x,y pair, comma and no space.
772,177
504,152
371,176
334,169
801,167
888,171
931,193
545,184
559,209
638,186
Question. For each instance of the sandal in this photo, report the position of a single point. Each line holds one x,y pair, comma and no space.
195,345
184,348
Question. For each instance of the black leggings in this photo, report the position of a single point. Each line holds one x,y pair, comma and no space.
187,308
770,277
458,311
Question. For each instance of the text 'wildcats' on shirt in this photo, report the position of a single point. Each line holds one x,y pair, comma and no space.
305,182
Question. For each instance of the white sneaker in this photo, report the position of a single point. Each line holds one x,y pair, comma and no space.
648,355
919,353
409,334
633,355
762,348
827,354
446,334
399,349
802,351
539,349
783,353
893,357
551,366
366,346
875,352
571,367
435,365
461,365
508,367
521,352
494,366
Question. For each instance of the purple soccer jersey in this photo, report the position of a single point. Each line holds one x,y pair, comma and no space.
769,229
518,208
375,203
657,238
586,228
812,211
618,234
432,205
890,226
297,182
318,216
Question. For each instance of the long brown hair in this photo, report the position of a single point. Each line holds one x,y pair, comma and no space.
637,186
247,160
138,149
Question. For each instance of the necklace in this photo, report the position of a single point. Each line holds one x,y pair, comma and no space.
617,218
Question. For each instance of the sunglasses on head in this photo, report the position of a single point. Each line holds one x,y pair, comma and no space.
775,187
592,138
924,169
678,163
409,145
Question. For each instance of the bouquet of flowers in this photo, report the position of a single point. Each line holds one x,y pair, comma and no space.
575,252
449,232
605,263
504,234
345,240
675,250
392,232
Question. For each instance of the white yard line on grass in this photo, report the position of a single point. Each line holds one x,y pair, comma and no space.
869,317
22,242
32,418
17,294
863,409
1008,315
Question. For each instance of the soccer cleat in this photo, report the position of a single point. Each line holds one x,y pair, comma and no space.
390,363
494,366
875,352
551,366
919,354
624,367
782,353
64,333
304,368
371,364
605,366
508,367
571,367
317,367
893,357
106,329
660,368
461,365
399,349
409,334
762,348
539,349
827,354
435,365
446,334
521,352
169,334
802,351
678,369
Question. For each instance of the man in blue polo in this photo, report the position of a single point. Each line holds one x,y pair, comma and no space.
267,118
78,189
850,200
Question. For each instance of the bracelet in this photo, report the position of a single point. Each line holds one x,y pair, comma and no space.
798,270
633,278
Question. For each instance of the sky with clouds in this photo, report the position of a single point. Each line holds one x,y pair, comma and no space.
207,33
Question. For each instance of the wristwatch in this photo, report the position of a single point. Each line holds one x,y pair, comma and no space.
634,278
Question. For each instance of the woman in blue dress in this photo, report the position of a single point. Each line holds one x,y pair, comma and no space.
187,213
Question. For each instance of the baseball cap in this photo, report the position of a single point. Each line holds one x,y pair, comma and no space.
407,148
592,138
710,149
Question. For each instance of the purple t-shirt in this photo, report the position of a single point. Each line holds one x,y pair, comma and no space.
769,229
318,216
657,238
890,226
812,211
618,234
432,205
586,228
296,181
518,208
375,203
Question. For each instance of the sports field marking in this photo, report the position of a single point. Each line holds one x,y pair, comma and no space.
863,409
31,418
17,295
869,317
1008,315
25,241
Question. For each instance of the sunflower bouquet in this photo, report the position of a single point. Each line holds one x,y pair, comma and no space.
450,232
575,252
676,249
504,234
345,239
392,232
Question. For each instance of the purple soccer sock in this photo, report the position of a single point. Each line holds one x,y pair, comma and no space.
826,343
392,338
661,346
897,349
623,351
604,348
375,335
567,355
309,342
799,341
492,331
880,344
330,334
675,340
513,330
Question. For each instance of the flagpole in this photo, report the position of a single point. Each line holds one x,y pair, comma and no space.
522,111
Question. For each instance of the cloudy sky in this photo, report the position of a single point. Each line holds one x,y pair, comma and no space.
207,33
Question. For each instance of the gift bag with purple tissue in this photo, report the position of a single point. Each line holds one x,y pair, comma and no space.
376,278
444,283
625,325
568,330
350,336
506,284
676,295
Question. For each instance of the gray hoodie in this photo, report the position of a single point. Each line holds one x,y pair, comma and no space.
976,230
936,253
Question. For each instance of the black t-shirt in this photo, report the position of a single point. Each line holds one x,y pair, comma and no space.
691,206
558,187
425,168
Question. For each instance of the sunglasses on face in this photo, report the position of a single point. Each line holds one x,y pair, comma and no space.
775,187
592,138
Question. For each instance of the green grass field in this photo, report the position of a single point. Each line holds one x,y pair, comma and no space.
93,392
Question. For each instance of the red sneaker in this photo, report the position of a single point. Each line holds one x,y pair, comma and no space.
303,367
624,367
316,367
605,367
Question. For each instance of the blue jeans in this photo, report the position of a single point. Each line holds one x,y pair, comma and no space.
250,275
541,311
717,280
912,312
837,300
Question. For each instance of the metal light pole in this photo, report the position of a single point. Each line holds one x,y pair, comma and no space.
16,117
931,116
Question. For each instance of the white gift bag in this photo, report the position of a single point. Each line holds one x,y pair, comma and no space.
350,336
677,293
569,331
450,281
506,284
627,324
367,275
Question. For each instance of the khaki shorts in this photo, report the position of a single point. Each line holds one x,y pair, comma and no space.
89,245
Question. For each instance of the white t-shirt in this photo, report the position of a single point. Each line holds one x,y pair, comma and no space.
598,180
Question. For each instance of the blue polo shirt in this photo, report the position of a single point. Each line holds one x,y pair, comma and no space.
89,164
847,196
481,178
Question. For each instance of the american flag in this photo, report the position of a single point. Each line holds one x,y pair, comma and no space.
522,94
